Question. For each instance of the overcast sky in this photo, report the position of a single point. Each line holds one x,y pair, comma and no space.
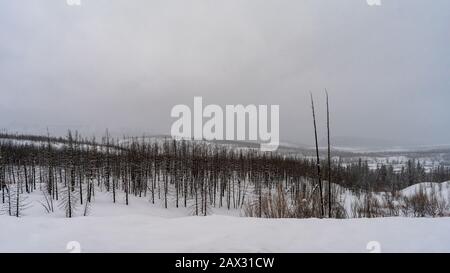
124,64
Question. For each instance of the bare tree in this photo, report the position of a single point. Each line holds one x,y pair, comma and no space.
318,158
329,157
69,200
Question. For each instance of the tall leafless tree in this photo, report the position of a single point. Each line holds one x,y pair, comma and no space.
319,177
329,157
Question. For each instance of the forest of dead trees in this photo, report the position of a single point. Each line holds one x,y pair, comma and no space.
178,173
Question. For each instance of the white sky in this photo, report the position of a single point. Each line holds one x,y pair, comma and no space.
123,64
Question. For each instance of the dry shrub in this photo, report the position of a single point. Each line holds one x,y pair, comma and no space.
423,204
368,206
273,205
305,204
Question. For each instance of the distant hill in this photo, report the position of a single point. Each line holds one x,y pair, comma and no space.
364,142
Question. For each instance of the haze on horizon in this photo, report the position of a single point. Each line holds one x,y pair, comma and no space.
123,65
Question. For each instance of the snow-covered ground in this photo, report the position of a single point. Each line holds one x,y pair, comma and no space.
143,233
144,227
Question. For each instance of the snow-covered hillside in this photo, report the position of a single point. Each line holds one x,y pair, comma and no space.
144,227
139,233
440,189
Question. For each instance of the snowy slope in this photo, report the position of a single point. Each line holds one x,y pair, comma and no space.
441,189
138,233
146,227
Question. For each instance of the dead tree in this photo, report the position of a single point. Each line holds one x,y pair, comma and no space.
329,157
318,158
69,201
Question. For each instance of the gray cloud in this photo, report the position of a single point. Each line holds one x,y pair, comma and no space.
124,64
